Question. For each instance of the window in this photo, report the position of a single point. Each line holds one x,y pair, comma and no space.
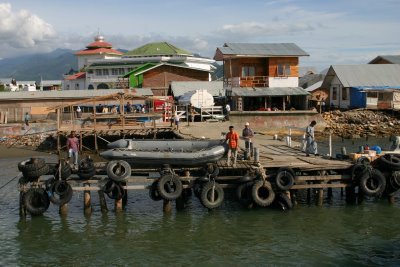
105,72
114,71
283,69
67,86
248,71
287,69
381,96
99,72
344,93
77,86
121,71
334,93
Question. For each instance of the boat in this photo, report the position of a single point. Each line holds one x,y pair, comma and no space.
156,152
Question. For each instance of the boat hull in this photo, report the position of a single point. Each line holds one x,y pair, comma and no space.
172,152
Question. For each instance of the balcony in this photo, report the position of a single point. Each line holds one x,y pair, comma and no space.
247,81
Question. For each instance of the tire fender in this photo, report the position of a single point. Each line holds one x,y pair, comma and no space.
118,170
170,187
211,195
262,193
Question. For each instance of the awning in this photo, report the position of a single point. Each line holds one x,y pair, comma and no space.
268,91
376,88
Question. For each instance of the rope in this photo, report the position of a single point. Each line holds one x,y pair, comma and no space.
8,182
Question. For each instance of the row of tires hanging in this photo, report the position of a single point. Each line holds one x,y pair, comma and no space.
381,177
378,178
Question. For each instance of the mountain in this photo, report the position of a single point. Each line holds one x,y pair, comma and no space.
47,66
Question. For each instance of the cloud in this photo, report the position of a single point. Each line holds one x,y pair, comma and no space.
22,30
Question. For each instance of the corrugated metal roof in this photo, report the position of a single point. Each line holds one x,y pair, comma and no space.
215,88
69,94
394,59
314,86
268,50
364,75
268,91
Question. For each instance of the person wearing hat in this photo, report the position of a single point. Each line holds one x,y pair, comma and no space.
233,145
247,134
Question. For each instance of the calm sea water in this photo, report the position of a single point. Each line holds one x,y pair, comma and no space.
336,234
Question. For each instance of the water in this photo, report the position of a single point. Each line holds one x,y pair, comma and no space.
336,234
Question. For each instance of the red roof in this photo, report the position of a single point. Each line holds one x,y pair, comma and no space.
98,51
76,76
99,44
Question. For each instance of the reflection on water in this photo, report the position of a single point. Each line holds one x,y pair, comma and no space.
333,235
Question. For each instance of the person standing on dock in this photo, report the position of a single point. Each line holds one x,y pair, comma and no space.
227,111
247,134
233,145
27,118
73,148
311,145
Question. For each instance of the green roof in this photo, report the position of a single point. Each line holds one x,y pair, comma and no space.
157,49
139,68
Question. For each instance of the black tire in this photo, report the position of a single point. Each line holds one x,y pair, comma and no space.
34,174
211,170
153,192
86,174
363,160
86,163
394,180
118,170
61,192
262,193
211,195
358,170
373,183
52,169
36,201
31,164
109,186
197,188
170,187
243,193
282,202
117,192
64,171
391,161
284,178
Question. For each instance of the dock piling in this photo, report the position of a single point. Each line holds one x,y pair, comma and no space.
86,200
103,203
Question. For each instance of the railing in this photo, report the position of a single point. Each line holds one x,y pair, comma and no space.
247,81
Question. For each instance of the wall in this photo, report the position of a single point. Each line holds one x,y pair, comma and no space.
161,77
283,81
277,120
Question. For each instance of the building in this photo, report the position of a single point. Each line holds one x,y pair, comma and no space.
153,65
99,49
10,84
394,59
262,76
50,85
373,86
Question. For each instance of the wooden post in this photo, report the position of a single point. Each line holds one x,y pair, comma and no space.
103,203
320,196
293,197
86,201
125,197
96,147
22,208
167,207
63,209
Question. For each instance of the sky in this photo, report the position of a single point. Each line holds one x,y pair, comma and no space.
330,31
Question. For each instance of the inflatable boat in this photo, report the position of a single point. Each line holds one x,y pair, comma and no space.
150,152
